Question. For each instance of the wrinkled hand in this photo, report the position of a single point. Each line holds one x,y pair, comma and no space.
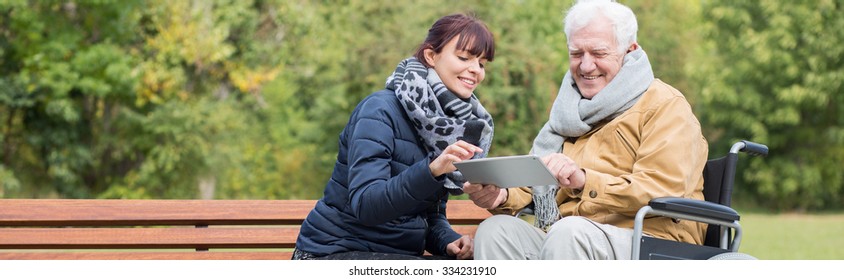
567,172
457,152
463,248
488,197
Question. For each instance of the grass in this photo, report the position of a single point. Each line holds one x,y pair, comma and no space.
793,236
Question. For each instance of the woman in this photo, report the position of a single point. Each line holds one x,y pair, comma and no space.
387,195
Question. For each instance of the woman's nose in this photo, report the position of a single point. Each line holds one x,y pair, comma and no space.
475,66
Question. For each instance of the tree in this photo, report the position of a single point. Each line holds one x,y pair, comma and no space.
245,99
773,72
127,98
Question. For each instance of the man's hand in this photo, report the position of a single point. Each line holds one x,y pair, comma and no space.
488,197
463,248
567,172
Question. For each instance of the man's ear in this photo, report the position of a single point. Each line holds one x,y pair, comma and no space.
633,47
429,56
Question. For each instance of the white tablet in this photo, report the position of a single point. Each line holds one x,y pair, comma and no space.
507,172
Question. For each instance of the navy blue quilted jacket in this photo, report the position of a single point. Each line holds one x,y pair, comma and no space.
381,196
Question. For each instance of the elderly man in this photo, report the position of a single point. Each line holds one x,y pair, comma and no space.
616,138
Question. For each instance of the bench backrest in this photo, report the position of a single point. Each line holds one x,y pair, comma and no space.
166,229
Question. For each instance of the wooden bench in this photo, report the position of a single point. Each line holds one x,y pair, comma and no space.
46,229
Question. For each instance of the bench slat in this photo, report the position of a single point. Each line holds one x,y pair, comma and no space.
465,212
146,238
112,212
145,255
156,238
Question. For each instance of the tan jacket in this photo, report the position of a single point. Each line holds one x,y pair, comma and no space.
652,150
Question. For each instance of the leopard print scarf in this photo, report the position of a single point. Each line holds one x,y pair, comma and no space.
439,116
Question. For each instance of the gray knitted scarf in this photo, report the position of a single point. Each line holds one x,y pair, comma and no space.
573,116
440,117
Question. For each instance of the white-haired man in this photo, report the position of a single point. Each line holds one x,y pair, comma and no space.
616,138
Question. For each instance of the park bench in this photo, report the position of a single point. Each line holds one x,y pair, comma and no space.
99,229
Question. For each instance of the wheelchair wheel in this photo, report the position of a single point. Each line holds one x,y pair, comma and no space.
732,256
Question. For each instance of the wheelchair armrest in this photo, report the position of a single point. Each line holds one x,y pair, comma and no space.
695,207
688,209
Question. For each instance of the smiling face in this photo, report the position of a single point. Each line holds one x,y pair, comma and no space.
460,71
594,57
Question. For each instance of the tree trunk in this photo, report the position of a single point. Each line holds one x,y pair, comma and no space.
207,185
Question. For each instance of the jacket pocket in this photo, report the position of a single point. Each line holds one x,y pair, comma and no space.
625,142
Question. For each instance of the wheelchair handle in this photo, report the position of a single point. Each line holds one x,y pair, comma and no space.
751,148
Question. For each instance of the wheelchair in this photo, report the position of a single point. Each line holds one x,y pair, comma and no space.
720,242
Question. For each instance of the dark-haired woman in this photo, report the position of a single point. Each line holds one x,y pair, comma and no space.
386,198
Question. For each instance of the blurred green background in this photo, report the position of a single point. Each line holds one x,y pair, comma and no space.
238,99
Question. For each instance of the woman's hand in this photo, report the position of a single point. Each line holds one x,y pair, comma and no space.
488,196
463,248
457,152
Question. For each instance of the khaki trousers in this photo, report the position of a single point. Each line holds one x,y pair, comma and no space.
504,237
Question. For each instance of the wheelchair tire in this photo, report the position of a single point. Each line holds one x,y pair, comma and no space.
732,256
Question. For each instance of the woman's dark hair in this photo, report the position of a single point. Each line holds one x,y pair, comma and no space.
473,37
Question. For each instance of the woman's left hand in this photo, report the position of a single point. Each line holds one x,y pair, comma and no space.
462,248
459,151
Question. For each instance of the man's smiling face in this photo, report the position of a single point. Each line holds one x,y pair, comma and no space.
594,56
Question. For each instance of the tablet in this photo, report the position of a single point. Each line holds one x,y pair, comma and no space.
507,172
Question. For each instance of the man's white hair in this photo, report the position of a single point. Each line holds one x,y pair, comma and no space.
621,17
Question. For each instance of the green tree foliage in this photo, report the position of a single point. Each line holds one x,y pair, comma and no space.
523,80
129,99
64,75
667,34
246,99
773,72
